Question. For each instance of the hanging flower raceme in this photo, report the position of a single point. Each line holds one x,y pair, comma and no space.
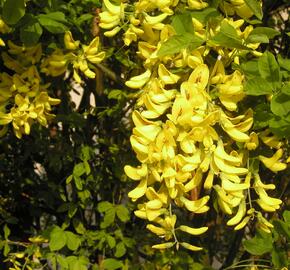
112,17
191,136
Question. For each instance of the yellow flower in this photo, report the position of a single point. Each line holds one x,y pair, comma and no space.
111,17
273,162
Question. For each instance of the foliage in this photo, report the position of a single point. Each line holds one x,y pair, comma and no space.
73,75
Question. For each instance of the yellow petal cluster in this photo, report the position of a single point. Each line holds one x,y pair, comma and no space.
81,57
24,99
111,17
191,136
4,28
230,7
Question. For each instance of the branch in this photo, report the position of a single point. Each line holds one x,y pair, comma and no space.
111,74
234,249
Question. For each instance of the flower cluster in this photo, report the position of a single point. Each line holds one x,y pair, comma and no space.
23,96
4,28
79,56
190,135
230,7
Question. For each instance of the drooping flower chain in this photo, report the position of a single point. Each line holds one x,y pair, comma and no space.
188,134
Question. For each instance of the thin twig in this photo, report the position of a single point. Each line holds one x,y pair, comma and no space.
111,74
233,249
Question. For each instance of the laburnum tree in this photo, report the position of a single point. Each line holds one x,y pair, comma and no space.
144,134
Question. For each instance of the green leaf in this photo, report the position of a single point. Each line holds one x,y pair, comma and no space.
6,231
269,68
73,208
129,242
262,35
6,249
205,15
109,218
182,23
74,119
69,179
254,164
57,239
262,116
216,3
179,42
57,16
85,153
120,250
279,258
84,195
13,11
259,245
87,167
79,169
198,266
53,22
77,263
111,241
286,89
95,267
280,104
250,69
83,18
104,206
258,38
63,208
122,213
124,59
78,226
72,241
286,216
282,228
31,32
112,264
115,94
280,126
11,220
228,37
71,260
78,182
61,260
258,86
284,63
255,6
